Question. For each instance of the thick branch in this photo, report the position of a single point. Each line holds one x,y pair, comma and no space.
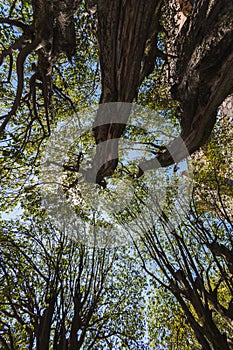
20,80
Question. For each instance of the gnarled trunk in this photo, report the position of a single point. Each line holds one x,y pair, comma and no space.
204,75
125,30
204,71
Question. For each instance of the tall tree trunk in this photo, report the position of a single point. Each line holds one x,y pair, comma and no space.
204,75
124,30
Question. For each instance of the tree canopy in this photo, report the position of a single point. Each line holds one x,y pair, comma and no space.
58,59
130,38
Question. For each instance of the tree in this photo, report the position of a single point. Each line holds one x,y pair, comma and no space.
57,293
138,50
127,56
192,261
72,85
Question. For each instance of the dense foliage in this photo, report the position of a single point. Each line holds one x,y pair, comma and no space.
168,285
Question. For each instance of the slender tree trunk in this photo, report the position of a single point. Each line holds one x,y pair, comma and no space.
44,328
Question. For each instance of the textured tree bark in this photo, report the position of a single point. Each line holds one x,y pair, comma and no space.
204,75
124,30
204,68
